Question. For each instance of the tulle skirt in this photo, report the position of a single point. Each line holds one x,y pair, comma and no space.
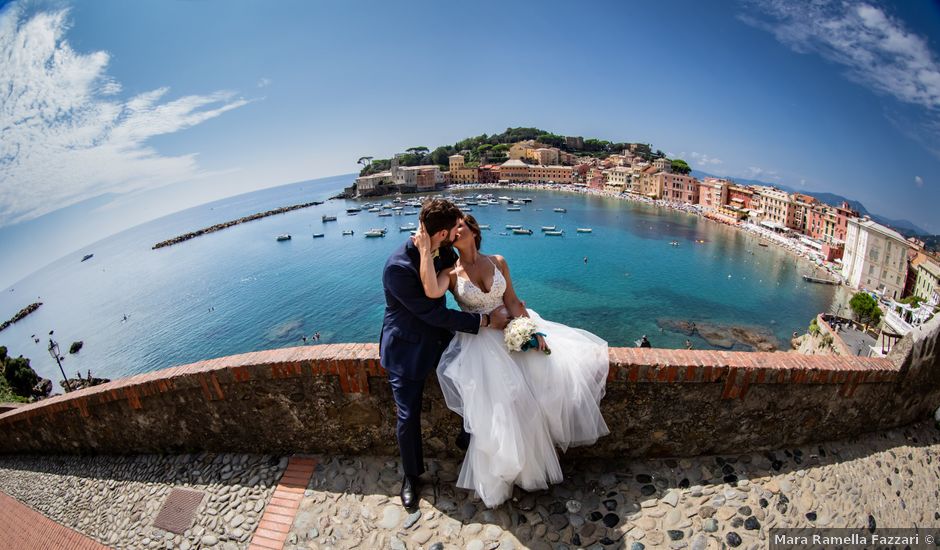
519,406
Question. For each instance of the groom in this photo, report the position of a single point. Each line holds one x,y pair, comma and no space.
417,329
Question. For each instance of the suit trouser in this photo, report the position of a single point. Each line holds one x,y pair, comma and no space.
408,394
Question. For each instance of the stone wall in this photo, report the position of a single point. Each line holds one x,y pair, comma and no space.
335,399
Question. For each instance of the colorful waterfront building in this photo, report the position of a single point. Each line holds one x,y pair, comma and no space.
489,173
927,278
514,171
459,172
552,173
713,192
677,187
741,196
663,164
619,180
875,258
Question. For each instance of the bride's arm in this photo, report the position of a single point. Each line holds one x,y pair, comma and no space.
435,285
510,300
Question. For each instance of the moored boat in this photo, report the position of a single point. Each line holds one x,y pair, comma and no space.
317,235
558,233
585,230
408,227
283,237
349,232
549,227
522,231
512,226
328,218
560,210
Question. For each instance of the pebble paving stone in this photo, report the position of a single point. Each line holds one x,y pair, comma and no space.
114,500
352,502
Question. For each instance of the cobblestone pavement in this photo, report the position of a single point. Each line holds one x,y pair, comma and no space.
889,479
115,499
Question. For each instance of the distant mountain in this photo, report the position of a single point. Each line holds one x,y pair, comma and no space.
904,227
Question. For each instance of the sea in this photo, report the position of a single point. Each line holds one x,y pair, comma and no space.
239,290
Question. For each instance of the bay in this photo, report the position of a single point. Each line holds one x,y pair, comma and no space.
239,290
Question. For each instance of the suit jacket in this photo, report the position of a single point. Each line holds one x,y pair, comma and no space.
416,329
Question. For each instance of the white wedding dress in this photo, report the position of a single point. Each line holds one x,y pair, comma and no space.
518,406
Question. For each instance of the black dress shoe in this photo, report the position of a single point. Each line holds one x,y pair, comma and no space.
463,441
409,492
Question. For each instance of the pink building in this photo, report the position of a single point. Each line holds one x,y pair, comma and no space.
713,192
678,187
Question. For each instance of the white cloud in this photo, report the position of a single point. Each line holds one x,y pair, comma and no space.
264,82
66,136
876,50
918,181
705,160
756,172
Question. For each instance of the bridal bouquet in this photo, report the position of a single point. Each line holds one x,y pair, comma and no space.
520,335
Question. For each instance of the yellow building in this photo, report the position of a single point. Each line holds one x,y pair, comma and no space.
552,173
459,173
519,150
514,171
649,184
927,286
619,180
543,155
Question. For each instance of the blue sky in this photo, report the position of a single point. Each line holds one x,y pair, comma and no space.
119,112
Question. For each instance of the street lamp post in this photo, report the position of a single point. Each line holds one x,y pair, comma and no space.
54,352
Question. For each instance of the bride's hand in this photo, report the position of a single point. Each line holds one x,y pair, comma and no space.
542,345
423,240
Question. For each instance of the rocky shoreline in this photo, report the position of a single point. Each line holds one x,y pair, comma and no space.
20,314
724,336
226,225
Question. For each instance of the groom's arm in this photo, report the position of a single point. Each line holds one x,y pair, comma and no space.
406,288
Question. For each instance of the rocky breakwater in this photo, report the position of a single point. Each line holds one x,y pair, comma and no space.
738,337
226,225
20,314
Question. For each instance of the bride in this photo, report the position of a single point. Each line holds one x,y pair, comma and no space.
517,406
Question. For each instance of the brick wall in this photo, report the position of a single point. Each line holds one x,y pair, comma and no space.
336,399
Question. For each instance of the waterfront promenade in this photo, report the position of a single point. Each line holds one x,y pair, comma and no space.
878,481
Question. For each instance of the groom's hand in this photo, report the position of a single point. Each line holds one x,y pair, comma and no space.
499,318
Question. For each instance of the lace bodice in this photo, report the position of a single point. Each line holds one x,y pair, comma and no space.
471,298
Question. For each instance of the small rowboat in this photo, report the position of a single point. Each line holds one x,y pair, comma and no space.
584,230
522,231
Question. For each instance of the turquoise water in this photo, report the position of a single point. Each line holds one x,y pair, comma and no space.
239,290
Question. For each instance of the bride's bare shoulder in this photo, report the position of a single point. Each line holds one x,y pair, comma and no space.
499,261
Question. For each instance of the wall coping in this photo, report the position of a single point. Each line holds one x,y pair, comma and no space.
354,364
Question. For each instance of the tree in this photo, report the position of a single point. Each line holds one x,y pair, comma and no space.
680,166
418,152
19,375
865,308
441,156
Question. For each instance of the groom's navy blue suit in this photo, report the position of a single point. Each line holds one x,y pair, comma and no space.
415,332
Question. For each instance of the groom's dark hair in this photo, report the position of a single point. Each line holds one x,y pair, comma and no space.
439,215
